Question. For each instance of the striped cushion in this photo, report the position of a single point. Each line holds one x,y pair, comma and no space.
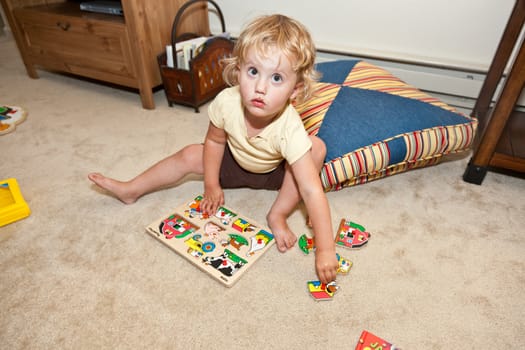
375,125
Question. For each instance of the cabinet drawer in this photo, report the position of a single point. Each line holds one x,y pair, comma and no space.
80,45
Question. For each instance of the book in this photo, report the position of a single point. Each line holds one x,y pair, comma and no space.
186,50
224,245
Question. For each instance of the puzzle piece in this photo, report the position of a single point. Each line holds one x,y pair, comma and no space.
225,215
176,226
13,207
306,244
228,263
237,241
242,225
344,264
369,341
351,235
196,248
320,291
10,116
259,241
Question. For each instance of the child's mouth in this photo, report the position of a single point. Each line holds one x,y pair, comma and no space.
256,102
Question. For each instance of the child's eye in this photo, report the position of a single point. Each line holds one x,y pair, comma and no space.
277,78
252,71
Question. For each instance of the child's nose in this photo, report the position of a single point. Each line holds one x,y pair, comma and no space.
260,86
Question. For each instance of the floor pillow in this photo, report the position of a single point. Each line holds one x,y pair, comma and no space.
375,125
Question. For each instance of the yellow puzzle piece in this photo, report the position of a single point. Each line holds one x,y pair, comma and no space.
12,205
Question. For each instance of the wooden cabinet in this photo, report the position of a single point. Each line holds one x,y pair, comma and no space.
57,35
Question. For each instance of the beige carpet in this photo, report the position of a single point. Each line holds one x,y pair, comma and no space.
445,267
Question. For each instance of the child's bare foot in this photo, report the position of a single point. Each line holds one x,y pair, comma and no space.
119,189
285,239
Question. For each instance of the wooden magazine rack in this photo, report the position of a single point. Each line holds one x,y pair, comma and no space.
203,81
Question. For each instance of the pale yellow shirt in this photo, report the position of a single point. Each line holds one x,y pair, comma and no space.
285,138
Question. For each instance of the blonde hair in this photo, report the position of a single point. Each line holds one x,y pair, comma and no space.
283,33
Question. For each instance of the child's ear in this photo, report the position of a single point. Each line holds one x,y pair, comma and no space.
297,89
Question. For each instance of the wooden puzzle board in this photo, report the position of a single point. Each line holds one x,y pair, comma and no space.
224,245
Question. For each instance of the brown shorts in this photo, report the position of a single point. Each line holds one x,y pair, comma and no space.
232,175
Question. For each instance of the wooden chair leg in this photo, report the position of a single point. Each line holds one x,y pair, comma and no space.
492,123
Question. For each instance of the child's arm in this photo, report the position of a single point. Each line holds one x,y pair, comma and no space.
313,195
214,145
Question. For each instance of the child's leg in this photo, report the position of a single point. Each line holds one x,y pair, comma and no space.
288,198
164,173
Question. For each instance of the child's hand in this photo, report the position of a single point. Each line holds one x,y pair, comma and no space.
326,265
213,198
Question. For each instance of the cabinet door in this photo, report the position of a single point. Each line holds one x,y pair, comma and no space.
85,46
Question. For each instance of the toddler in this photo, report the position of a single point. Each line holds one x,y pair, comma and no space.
256,138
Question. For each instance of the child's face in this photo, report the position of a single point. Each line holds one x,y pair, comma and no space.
266,83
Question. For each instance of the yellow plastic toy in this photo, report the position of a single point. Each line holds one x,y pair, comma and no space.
12,205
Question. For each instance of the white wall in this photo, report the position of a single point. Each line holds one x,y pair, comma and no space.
456,33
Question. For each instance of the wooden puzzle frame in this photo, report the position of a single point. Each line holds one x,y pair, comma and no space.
224,245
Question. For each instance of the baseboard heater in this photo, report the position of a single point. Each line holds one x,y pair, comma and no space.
456,86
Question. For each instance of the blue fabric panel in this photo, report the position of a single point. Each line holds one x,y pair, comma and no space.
398,150
335,72
372,116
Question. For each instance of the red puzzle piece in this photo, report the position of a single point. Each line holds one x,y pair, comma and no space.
369,341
